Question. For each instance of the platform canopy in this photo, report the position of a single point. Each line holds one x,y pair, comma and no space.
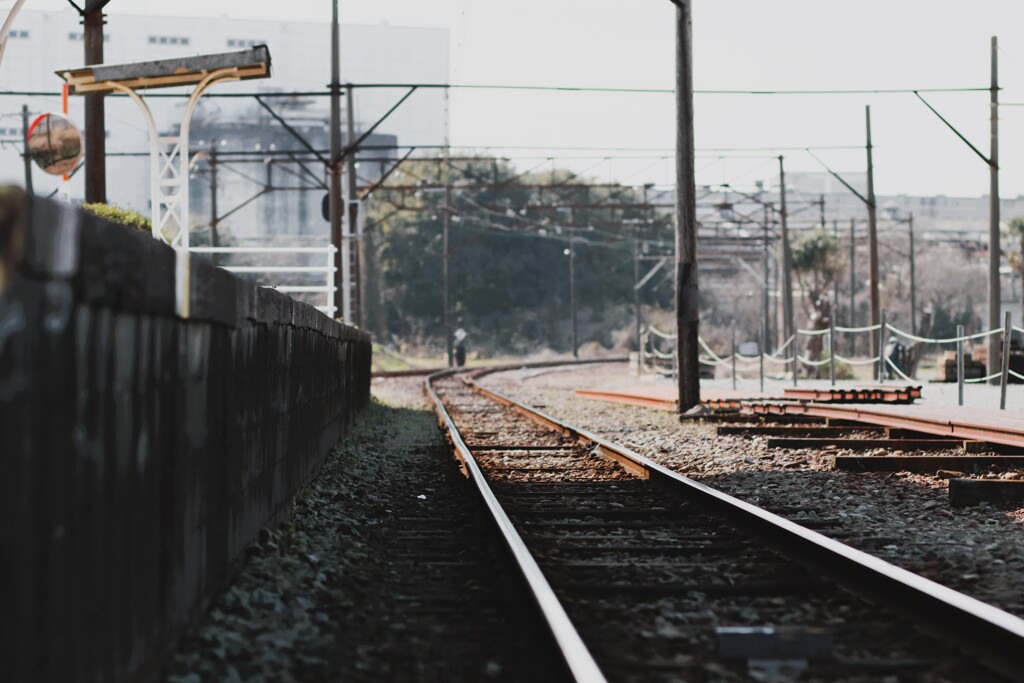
167,73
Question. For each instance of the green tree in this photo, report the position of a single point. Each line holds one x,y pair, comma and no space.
1015,232
508,239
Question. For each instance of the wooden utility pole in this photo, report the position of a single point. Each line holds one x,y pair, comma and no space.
334,173
789,324
95,114
994,251
353,211
686,294
872,237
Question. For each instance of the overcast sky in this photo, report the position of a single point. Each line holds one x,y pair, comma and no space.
739,44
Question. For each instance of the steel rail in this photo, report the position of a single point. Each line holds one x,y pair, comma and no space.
989,632
993,432
571,649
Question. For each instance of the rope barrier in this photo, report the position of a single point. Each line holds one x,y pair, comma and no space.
851,361
950,340
1017,375
658,333
812,363
812,333
870,328
897,370
979,380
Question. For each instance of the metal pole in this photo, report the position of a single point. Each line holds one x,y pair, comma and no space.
686,299
333,173
353,210
636,292
572,281
835,279
446,271
960,363
853,286
1004,373
994,251
25,156
787,258
95,115
872,230
796,359
762,338
214,219
832,351
913,278
734,356
881,350
765,306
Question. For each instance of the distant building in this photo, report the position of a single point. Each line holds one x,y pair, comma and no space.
47,41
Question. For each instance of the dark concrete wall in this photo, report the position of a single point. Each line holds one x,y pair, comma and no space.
141,451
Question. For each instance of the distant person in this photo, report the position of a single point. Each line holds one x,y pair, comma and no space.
895,352
460,347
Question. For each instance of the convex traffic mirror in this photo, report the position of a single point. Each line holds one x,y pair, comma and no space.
55,144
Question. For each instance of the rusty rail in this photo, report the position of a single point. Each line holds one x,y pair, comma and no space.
995,635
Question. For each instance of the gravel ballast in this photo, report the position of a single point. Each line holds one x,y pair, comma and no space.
380,573
901,517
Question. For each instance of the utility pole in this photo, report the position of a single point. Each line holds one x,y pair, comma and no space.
353,211
333,172
446,228
872,236
913,278
853,284
214,219
787,259
764,293
821,207
25,156
95,114
572,281
686,294
994,251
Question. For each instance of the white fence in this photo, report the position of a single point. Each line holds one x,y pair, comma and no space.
327,270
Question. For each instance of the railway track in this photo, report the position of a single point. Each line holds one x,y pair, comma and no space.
640,574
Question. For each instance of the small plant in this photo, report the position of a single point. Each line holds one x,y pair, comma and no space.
126,217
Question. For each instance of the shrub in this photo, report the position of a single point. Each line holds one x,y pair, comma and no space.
126,217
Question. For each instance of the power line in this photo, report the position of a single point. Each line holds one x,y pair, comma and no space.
537,88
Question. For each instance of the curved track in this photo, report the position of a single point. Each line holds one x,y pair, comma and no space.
639,573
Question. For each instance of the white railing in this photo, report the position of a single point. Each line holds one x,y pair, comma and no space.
327,289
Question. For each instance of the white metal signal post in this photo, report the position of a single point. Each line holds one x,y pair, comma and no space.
169,154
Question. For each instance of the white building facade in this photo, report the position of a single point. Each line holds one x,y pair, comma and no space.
47,41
